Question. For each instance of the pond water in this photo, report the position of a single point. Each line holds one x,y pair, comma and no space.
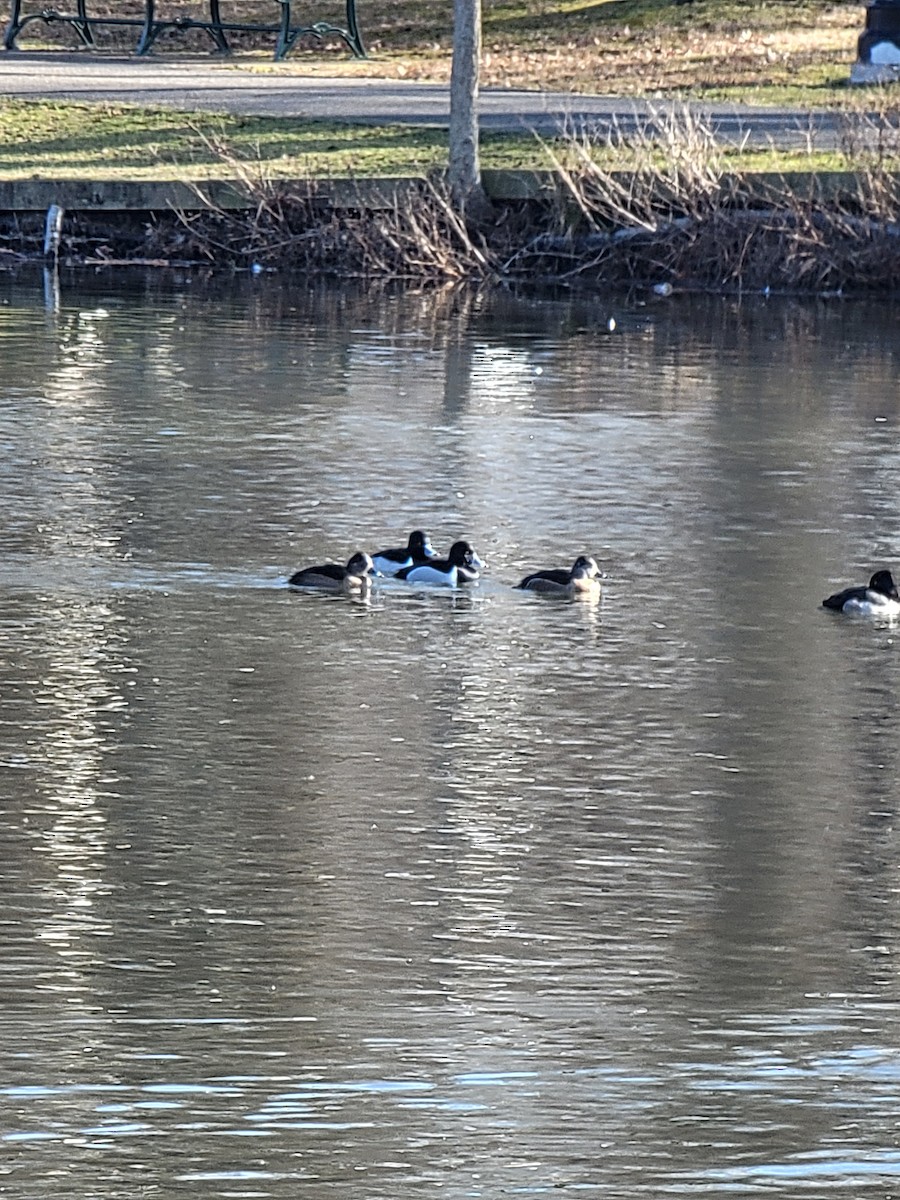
463,894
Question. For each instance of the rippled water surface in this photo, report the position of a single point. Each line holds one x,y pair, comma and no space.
463,895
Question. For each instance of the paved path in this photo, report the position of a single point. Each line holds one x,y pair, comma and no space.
198,84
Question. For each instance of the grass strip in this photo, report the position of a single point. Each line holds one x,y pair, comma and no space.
50,140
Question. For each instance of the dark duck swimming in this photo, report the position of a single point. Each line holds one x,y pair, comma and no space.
417,550
581,579
462,565
879,598
356,576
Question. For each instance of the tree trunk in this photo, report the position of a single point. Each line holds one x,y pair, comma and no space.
464,174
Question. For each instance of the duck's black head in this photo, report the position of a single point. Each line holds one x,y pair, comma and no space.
584,565
360,564
883,583
419,545
466,559
461,554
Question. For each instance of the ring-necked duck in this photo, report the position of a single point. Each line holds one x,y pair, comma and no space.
460,566
417,550
332,577
879,599
583,579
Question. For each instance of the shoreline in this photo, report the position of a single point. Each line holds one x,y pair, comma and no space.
675,219
807,234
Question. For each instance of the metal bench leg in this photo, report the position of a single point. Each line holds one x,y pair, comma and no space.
148,33
354,38
12,29
285,41
287,34
215,30
83,25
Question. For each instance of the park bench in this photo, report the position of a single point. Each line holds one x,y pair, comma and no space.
288,28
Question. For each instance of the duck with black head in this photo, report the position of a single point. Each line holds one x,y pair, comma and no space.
462,565
353,579
582,579
418,549
879,598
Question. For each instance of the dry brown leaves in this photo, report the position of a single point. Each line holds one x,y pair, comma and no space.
559,54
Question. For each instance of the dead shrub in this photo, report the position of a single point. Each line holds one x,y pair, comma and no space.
669,217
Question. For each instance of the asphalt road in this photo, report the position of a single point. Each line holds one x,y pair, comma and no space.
200,84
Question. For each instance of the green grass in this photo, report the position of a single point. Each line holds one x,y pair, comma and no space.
78,141
46,140
823,88
794,53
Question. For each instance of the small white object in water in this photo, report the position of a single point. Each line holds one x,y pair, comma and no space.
256,269
611,325
662,289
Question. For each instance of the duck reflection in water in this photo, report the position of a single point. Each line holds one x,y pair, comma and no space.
354,579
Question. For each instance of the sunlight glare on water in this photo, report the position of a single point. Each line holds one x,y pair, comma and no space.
468,893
